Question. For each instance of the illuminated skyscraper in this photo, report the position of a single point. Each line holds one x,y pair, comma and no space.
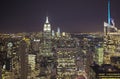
47,26
53,33
111,38
58,32
47,35
46,59
110,25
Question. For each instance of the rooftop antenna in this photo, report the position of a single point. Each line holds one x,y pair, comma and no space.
47,19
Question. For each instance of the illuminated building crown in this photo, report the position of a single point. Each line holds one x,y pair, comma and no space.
47,26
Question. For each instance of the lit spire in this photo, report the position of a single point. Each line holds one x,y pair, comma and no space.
109,16
47,21
58,30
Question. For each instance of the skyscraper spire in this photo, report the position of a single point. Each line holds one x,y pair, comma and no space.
109,14
47,21
58,32
47,26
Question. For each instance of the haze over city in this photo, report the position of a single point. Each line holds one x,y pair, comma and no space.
69,15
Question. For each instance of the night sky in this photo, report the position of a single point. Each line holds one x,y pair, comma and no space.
69,15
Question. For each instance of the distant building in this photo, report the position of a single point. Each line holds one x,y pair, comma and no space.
66,58
99,55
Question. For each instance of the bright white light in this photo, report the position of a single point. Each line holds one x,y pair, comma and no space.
36,40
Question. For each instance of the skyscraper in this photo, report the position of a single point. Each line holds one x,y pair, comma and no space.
47,34
46,53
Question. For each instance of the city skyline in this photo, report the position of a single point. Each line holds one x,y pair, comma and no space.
70,16
59,39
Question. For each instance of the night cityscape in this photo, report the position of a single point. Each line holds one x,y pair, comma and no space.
45,39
